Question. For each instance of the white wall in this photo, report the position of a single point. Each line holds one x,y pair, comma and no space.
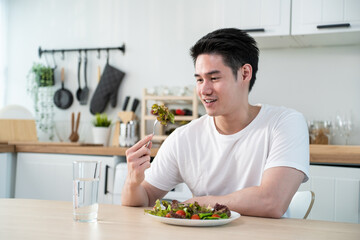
158,34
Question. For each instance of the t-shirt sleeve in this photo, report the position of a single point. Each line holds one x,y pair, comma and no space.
290,144
164,172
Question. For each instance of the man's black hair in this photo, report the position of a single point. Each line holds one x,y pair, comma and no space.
234,45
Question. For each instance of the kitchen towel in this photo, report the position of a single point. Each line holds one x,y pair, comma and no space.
107,89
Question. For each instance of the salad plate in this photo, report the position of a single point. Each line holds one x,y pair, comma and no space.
195,223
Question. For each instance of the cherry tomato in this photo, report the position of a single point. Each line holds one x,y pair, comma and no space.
195,216
181,213
215,216
168,215
179,112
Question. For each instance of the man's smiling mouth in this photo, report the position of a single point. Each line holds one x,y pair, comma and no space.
210,100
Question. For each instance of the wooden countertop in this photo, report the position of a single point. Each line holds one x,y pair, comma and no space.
334,154
43,219
319,154
84,150
4,148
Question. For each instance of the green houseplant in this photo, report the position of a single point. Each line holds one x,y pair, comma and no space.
101,120
40,86
44,75
101,129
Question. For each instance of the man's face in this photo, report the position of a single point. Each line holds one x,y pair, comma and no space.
216,85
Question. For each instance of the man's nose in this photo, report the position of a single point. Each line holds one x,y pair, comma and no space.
206,88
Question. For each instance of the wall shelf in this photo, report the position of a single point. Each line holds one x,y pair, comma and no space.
148,100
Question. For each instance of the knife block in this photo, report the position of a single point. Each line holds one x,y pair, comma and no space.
125,117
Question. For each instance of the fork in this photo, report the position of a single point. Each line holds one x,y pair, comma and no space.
155,122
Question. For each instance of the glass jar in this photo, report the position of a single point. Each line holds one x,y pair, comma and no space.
320,132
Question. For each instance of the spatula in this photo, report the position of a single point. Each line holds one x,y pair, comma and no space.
72,126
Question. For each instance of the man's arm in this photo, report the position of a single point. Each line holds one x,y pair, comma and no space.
270,199
136,191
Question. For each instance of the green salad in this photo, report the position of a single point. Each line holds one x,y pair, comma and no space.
193,211
163,114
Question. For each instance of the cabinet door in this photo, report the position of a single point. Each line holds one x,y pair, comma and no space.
49,176
325,16
337,193
258,17
7,175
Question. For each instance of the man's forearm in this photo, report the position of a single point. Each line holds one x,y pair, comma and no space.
249,201
134,196
270,199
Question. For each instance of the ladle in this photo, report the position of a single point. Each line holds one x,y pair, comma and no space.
78,92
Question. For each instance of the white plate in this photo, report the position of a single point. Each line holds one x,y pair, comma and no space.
195,223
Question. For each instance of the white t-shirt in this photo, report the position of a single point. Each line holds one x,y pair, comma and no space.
214,164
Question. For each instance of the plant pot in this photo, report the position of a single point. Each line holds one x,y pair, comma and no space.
101,135
45,77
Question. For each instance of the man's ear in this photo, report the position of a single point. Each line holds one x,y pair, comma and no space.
246,72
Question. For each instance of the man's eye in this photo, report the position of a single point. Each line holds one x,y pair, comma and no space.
199,80
214,78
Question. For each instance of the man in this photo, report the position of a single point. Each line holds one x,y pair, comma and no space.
251,158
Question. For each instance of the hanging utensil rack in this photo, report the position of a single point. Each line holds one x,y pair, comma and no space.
52,51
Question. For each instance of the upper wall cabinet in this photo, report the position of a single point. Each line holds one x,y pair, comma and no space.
326,22
325,16
286,23
258,17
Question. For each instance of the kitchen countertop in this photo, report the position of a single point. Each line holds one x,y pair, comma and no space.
319,154
4,148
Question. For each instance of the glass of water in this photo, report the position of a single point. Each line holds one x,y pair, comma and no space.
86,176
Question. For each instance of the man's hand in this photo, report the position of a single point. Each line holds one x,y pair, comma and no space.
138,159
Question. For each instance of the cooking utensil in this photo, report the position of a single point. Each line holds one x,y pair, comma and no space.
76,135
85,91
126,103
78,92
72,126
63,98
135,105
99,73
155,122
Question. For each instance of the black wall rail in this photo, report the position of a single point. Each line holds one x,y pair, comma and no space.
52,51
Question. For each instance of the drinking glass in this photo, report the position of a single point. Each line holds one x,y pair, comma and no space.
344,126
86,176
347,128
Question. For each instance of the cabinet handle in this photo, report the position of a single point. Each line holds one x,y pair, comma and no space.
106,179
341,25
254,30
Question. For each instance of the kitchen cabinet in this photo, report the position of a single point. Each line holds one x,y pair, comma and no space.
324,16
296,23
148,100
337,193
7,174
324,22
268,21
49,176
258,17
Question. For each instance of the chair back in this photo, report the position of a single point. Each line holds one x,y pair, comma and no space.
301,204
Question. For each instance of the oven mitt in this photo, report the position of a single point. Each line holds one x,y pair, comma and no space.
107,89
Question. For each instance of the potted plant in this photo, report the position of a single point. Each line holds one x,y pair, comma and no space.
101,129
44,76
40,82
